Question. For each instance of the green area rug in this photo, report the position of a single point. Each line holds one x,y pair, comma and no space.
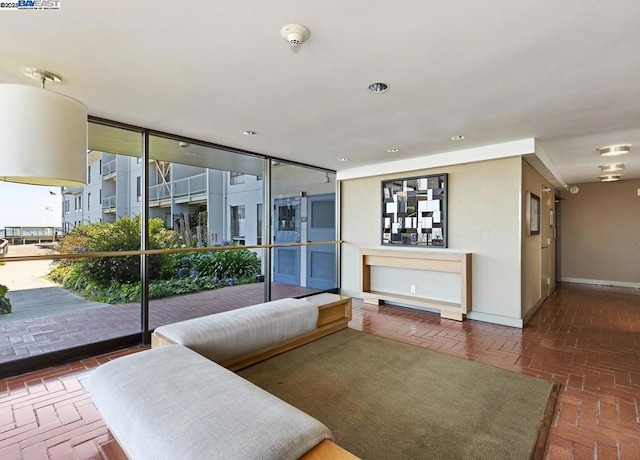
388,400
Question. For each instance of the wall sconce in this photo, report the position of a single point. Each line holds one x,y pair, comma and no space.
546,189
44,135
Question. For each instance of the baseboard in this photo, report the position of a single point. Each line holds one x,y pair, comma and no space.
601,282
479,316
496,319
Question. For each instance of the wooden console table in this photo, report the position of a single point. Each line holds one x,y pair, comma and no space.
437,261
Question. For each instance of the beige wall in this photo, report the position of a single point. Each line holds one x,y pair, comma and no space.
484,219
538,251
600,233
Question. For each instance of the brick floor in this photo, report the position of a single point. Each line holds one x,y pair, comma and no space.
21,339
586,338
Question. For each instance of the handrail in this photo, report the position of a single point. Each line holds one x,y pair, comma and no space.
95,255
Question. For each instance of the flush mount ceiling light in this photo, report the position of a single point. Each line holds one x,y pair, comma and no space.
44,134
612,168
248,132
393,150
614,150
378,88
343,159
458,137
609,178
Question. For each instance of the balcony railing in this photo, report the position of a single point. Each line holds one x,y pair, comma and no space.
190,186
109,204
160,192
109,168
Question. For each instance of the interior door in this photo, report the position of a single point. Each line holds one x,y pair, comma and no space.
286,229
321,259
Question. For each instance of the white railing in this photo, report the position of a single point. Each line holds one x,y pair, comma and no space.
190,186
109,203
109,168
160,192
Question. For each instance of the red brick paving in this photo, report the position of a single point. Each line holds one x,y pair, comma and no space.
586,338
25,338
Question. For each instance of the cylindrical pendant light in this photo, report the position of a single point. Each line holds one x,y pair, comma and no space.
43,137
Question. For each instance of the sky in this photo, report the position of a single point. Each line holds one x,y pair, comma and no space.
29,205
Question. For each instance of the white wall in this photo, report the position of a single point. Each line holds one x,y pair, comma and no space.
484,219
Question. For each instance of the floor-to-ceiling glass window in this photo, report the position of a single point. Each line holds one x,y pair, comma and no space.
209,199
304,215
59,303
227,229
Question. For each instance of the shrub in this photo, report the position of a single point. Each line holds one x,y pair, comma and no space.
121,235
220,265
117,279
5,303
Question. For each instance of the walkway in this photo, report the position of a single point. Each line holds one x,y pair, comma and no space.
48,318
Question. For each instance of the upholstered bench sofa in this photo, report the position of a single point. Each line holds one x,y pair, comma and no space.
175,402
238,338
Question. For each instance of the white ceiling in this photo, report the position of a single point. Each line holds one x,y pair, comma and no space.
563,72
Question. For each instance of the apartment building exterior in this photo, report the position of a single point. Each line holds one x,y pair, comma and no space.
207,206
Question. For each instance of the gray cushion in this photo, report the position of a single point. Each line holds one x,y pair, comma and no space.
225,336
171,403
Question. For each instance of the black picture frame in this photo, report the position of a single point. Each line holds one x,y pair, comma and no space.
533,214
414,211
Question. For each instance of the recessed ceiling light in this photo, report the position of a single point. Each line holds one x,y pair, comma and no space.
609,178
614,150
394,150
248,132
378,87
458,137
343,159
612,167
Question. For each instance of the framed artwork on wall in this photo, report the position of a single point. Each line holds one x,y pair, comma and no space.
533,214
414,211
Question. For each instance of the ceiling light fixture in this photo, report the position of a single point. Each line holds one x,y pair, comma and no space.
393,150
614,150
343,159
458,137
249,133
44,134
614,167
609,178
378,88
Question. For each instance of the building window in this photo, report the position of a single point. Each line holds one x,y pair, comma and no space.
78,203
259,224
100,197
66,206
89,200
237,178
138,188
287,222
237,224
89,174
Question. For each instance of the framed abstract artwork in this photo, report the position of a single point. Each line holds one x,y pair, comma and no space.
414,211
